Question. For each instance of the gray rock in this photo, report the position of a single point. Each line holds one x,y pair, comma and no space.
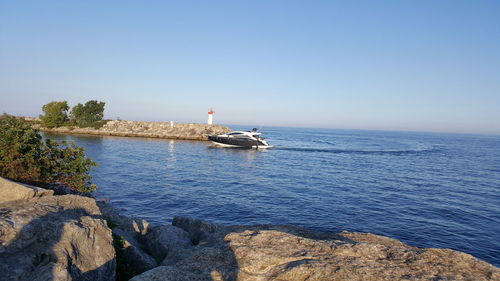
132,234
134,253
261,253
13,191
55,238
132,226
166,241
197,229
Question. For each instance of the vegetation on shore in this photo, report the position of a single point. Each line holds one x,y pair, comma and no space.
26,157
55,114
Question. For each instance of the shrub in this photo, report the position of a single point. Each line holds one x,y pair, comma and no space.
26,157
20,150
66,164
87,115
55,114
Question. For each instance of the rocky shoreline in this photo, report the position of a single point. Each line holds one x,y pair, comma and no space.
70,237
164,130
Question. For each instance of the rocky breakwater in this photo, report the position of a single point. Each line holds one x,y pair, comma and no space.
164,130
70,237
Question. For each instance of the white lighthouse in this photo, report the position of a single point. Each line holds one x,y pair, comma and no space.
210,116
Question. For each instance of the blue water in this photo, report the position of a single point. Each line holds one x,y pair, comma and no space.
427,190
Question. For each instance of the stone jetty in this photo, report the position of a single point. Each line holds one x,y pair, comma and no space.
165,130
44,236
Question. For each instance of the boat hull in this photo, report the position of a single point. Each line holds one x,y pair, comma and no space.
237,142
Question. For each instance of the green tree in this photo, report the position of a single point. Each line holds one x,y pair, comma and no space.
55,114
25,157
87,115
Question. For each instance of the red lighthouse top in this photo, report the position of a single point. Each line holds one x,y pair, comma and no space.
211,111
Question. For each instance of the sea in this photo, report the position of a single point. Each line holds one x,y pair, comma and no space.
426,189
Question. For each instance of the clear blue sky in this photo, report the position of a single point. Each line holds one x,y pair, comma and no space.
390,65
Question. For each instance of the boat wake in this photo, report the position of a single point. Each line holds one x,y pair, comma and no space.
358,151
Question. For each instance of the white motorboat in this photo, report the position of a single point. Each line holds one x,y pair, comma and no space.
240,139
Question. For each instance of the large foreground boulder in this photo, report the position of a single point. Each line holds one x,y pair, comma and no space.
13,191
291,253
55,238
